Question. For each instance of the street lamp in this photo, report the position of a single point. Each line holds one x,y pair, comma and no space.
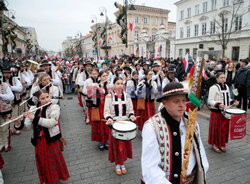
123,18
94,20
103,11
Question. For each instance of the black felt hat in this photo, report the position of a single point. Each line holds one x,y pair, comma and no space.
173,88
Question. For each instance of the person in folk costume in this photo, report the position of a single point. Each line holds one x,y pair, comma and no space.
145,67
27,84
1,167
127,74
158,77
46,138
56,81
74,71
59,73
99,129
163,141
146,91
170,77
84,76
91,91
118,73
29,72
118,106
17,88
139,70
79,83
44,82
6,98
218,100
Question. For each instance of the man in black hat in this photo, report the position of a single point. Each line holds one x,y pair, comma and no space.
163,141
6,98
170,76
17,88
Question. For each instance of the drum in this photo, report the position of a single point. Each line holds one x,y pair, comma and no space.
124,130
228,112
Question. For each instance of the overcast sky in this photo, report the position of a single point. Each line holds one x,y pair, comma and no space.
54,20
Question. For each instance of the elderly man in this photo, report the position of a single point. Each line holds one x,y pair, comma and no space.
163,141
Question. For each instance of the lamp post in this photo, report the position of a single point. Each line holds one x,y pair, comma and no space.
94,20
123,20
6,29
103,11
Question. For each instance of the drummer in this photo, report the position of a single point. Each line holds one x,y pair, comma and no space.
219,99
117,107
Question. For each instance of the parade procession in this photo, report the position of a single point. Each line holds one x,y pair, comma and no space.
133,98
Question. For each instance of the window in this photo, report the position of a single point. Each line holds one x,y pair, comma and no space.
136,19
188,31
182,14
213,4
204,28
197,9
189,12
181,52
225,2
153,36
162,21
238,1
154,21
204,7
195,53
235,53
181,32
187,51
136,33
238,23
145,20
212,27
196,30
225,25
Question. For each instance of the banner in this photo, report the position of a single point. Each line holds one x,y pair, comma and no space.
238,126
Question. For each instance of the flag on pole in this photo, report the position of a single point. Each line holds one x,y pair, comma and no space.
110,39
185,61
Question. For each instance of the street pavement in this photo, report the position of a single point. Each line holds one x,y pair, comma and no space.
88,165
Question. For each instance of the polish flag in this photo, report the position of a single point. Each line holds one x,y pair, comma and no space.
185,61
131,25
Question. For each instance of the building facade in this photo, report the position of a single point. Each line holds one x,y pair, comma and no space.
146,21
88,46
206,25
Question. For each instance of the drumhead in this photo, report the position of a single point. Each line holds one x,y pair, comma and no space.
235,111
124,126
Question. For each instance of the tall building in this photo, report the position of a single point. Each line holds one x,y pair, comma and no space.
68,45
207,24
87,46
147,20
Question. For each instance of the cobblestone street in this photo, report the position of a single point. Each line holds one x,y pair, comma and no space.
87,164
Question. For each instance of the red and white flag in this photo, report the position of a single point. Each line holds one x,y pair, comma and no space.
185,61
131,25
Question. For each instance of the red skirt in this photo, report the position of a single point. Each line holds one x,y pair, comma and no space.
119,151
50,163
218,130
80,99
146,114
99,129
1,161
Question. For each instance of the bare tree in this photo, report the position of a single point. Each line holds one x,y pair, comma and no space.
226,23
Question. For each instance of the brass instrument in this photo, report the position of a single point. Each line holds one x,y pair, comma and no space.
33,66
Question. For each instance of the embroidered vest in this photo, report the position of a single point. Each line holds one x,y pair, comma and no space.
224,94
5,106
164,136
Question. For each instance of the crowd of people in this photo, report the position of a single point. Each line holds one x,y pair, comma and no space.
152,93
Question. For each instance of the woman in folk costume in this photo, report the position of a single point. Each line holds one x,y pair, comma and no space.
44,82
146,91
91,90
99,129
118,106
50,162
131,91
219,99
